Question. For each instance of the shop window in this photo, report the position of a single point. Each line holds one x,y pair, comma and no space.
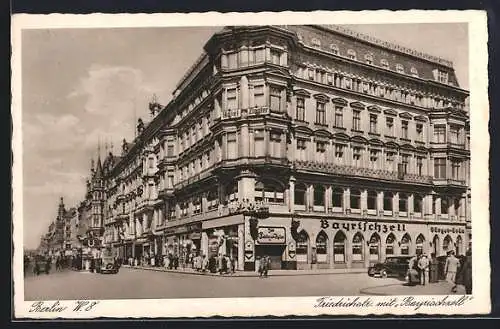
259,144
419,245
337,197
417,204
447,244
319,195
389,245
403,202
357,247
269,192
300,194
302,247
374,247
388,198
339,247
301,112
372,200
355,199
405,245
322,247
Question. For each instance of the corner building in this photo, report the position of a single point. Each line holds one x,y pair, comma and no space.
315,145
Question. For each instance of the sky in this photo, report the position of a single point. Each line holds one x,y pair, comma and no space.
80,86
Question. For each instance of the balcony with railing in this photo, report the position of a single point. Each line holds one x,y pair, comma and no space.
448,182
331,168
242,113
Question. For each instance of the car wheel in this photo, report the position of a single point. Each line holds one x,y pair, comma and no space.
383,274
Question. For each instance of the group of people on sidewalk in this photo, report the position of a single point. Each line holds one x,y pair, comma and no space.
222,264
457,271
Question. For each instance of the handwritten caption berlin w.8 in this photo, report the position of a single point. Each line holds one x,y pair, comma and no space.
57,306
409,302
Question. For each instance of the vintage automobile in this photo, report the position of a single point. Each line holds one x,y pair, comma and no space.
107,263
395,266
41,265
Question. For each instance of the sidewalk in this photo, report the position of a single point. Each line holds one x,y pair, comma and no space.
438,288
251,274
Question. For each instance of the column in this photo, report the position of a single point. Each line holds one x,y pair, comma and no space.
438,205
347,200
364,201
411,209
245,101
241,247
204,243
291,194
311,150
310,198
244,141
462,208
328,199
380,203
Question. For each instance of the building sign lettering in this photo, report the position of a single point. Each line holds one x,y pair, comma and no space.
271,235
363,226
444,230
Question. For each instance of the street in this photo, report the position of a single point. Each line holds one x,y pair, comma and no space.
136,283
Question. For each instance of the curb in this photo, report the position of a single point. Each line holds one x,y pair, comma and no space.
240,274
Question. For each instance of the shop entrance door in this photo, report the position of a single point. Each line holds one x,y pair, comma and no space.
274,252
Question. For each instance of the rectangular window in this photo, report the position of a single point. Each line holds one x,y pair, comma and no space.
403,203
420,162
232,102
373,123
356,120
389,125
388,201
301,149
259,55
442,76
455,170
320,151
231,145
320,113
232,60
275,144
404,163
439,167
275,99
389,161
356,156
440,133
374,159
404,129
454,134
301,112
339,152
259,98
170,180
420,132
339,115
275,57
259,143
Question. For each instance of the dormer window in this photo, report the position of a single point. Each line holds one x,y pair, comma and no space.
334,49
351,54
369,59
414,71
442,76
316,43
400,68
384,63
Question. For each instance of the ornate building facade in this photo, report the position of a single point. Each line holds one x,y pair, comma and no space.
314,145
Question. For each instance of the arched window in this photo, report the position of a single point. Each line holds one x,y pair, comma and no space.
460,247
414,71
435,244
300,194
319,195
389,244
419,244
302,247
405,244
384,63
339,246
351,54
322,247
269,191
417,204
372,200
388,196
337,197
355,199
374,247
447,244
403,203
400,68
357,247
369,59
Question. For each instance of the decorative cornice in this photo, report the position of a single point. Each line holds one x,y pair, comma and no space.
340,101
358,105
302,92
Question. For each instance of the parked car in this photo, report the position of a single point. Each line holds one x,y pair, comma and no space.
107,263
395,266
41,265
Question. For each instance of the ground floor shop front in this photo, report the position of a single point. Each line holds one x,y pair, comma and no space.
314,243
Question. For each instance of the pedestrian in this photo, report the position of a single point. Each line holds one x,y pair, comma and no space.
451,266
204,265
233,265
423,266
467,272
267,263
413,276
